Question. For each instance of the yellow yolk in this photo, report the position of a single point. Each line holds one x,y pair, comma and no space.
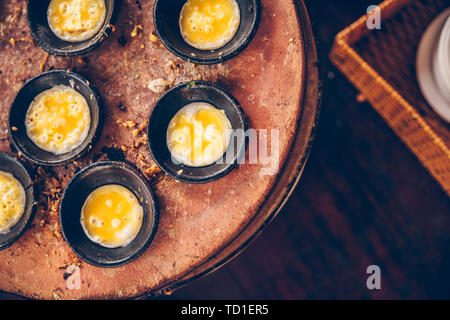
58,120
209,24
199,134
76,20
12,201
112,216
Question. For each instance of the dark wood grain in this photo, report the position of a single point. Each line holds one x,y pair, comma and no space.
363,199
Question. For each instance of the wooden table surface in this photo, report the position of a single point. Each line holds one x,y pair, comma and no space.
363,199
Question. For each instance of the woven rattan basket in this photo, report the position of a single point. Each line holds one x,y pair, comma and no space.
381,64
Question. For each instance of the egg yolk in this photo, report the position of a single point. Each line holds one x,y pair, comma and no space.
112,216
12,201
209,24
76,20
198,135
58,120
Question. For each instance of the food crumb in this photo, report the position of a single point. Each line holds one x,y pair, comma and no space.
168,293
82,62
111,27
129,124
141,141
158,85
135,31
172,66
153,37
44,61
151,171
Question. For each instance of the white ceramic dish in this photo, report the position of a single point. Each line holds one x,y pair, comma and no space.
442,61
431,82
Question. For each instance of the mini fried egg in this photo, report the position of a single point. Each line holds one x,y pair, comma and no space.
12,201
198,135
112,216
58,120
209,24
76,20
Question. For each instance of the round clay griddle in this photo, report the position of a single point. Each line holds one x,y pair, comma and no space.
201,226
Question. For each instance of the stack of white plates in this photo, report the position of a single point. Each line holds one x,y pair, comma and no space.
433,65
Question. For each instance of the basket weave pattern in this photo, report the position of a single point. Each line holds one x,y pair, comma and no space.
381,64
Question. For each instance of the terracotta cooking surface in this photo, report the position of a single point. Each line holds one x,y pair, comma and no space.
196,220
